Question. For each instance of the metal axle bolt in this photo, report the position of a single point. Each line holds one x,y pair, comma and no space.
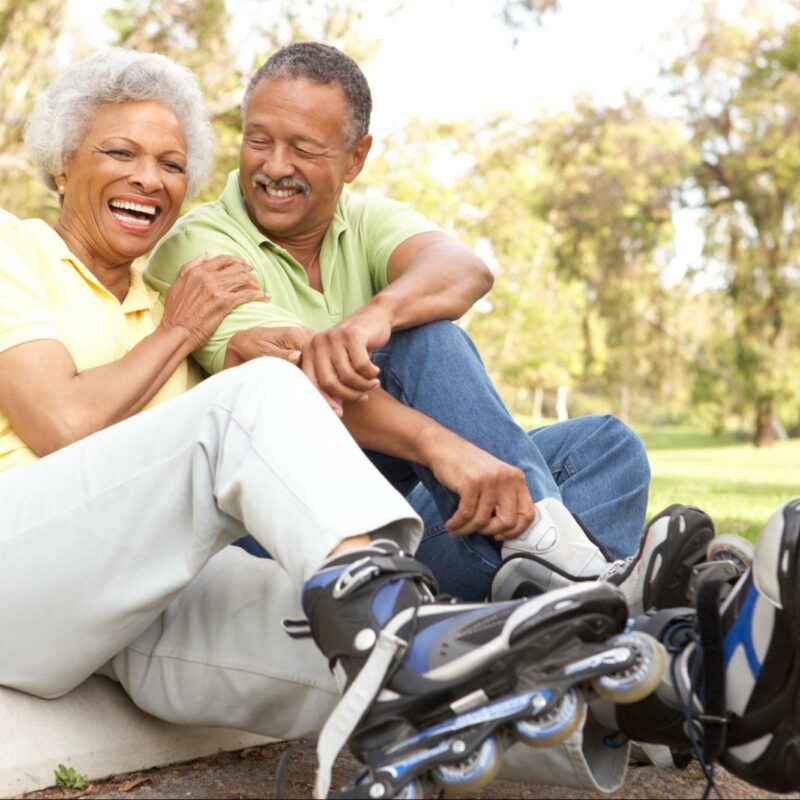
458,746
377,790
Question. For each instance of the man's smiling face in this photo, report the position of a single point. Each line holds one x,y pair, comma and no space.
293,160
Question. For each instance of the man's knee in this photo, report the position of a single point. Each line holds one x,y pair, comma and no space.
625,442
439,337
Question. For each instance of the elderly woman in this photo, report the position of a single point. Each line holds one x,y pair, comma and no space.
120,484
110,516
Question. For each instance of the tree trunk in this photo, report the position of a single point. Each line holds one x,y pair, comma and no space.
536,410
561,403
765,432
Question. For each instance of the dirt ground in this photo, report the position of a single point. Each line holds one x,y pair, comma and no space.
251,774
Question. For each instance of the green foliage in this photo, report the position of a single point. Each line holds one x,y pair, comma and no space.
741,93
28,33
573,210
738,485
606,181
68,778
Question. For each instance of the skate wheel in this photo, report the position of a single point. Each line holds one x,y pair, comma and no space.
473,773
553,726
641,678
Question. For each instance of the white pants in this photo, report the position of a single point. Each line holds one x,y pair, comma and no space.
113,560
100,539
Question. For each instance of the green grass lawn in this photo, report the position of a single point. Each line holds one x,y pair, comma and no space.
738,485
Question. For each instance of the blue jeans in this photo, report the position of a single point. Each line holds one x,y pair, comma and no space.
596,465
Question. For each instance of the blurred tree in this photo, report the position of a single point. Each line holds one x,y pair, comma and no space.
29,30
457,174
740,88
573,210
271,24
606,181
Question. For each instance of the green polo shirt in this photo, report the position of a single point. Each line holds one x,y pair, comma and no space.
354,261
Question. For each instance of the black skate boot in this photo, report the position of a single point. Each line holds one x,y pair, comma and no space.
733,688
558,551
435,691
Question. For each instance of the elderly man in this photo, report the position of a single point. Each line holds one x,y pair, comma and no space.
359,290
362,289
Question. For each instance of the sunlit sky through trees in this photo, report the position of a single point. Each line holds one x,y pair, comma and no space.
455,59
450,59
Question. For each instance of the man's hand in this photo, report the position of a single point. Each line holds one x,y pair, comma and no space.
494,496
337,360
282,342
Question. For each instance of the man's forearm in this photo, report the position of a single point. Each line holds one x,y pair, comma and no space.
493,496
385,425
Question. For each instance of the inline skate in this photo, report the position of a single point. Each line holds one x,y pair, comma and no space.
435,691
732,691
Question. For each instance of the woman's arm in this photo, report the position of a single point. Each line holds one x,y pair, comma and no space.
50,404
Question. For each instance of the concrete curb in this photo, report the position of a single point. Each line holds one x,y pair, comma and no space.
97,730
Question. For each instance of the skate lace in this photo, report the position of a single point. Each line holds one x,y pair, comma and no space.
616,569
675,642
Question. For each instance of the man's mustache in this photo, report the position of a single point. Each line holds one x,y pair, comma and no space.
282,183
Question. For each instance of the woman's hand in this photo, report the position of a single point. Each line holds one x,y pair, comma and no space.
205,291
281,342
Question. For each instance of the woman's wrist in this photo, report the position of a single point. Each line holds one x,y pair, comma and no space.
181,338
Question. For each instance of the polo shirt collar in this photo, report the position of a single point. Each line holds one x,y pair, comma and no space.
233,202
140,297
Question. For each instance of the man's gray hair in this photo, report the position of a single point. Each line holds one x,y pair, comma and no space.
323,64
62,112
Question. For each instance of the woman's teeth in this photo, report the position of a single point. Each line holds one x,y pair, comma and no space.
133,213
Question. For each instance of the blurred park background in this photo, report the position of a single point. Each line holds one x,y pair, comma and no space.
629,168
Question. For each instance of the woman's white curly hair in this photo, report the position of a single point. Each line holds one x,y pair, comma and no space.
62,112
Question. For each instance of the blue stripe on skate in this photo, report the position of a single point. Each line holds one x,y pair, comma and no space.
323,577
502,709
384,602
741,634
418,659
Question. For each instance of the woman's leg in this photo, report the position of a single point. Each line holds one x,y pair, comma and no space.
100,537
218,654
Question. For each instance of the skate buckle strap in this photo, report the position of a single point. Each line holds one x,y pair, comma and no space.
357,574
709,623
297,628
370,567
354,704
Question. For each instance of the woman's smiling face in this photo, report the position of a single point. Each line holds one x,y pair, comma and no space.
124,186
